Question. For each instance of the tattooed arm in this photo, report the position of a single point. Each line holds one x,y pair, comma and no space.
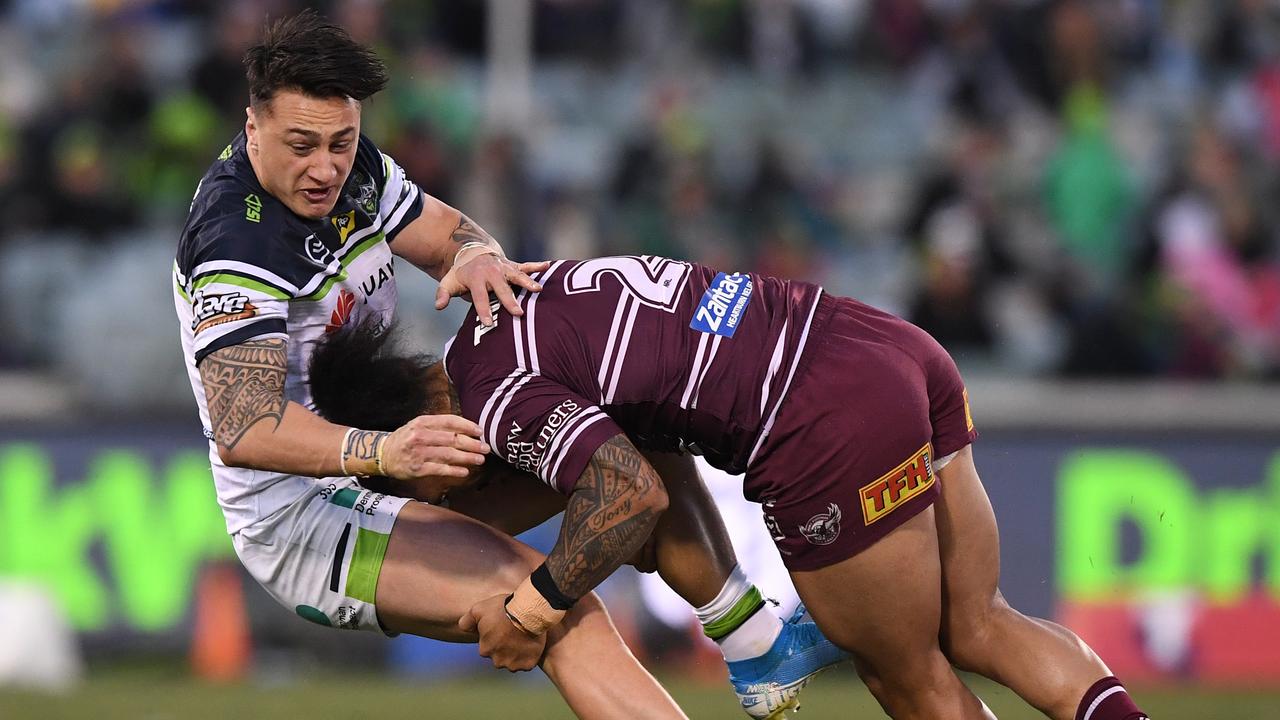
254,426
609,516
610,513
432,242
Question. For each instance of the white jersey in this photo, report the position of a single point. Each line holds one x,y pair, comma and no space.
247,268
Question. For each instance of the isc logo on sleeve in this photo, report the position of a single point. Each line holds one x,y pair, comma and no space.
723,304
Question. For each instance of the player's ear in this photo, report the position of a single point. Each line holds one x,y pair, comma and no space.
251,126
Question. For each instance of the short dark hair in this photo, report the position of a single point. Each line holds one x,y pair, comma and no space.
357,379
309,54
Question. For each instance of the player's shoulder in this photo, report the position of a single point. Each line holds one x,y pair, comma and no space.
234,220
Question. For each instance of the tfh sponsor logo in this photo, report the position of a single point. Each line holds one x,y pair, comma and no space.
897,486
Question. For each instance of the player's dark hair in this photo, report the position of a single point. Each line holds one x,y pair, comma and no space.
309,54
357,379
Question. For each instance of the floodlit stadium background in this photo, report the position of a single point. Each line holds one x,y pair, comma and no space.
1077,198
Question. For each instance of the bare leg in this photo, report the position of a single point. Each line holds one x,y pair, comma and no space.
690,549
439,563
1044,663
884,606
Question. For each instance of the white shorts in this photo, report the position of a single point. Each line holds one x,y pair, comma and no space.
321,556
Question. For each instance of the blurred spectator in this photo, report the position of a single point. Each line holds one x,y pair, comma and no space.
1023,179
218,76
957,233
1088,191
1216,267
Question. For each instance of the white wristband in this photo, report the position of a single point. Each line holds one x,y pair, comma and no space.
342,451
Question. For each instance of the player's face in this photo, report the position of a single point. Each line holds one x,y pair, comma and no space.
302,149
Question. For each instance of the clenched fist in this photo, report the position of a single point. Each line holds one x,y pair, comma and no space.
509,647
436,452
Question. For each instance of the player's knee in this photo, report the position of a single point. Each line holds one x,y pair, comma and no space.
905,680
971,630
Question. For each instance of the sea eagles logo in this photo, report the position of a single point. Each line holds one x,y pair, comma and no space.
823,528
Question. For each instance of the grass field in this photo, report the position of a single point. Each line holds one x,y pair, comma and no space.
156,695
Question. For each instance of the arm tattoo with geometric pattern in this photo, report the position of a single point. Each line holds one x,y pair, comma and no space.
242,385
467,231
605,521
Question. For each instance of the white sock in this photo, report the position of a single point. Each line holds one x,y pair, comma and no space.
753,638
740,602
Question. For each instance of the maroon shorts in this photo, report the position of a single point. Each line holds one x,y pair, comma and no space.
875,401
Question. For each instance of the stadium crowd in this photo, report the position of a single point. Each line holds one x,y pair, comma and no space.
1051,188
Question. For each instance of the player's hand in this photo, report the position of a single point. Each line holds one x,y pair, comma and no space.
436,451
509,647
481,274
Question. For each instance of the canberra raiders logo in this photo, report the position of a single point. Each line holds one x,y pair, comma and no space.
366,194
823,528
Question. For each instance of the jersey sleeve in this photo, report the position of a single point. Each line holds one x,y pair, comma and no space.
399,198
234,297
537,425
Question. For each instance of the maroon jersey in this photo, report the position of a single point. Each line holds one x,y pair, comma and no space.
673,354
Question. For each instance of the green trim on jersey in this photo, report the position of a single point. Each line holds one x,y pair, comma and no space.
241,281
366,565
181,290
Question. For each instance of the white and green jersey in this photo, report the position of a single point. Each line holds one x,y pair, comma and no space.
248,268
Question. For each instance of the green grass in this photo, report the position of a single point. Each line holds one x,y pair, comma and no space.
157,695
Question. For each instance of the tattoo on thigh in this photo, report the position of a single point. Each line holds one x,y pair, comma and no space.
244,384
603,525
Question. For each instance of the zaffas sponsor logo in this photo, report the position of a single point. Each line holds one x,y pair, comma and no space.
897,486
216,309
723,304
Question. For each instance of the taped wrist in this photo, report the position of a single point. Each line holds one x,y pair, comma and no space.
542,582
537,605
475,249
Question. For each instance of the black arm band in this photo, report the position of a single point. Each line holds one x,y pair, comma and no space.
542,582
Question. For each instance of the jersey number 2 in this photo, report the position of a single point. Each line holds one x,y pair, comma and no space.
654,281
